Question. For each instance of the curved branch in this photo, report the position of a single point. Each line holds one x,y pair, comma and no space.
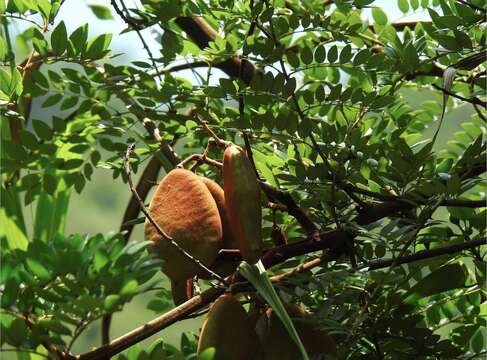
201,33
426,254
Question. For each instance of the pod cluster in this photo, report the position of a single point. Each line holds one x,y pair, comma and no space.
203,218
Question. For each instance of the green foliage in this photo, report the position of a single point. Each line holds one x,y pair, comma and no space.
343,111
53,289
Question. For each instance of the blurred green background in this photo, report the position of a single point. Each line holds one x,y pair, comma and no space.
100,207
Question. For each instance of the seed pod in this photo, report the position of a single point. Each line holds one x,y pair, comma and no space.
229,331
228,240
280,346
222,267
182,290
184,208
242,201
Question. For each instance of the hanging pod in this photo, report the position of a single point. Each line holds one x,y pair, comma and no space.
280,346
242,201
184,208
229,331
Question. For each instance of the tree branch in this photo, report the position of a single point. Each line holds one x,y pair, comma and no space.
473,100
201,33
293,209
283,197
426,254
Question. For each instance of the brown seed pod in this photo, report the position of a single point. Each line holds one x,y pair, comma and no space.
186,211
182,290
222,267
228,240
278,343
242,201
229,331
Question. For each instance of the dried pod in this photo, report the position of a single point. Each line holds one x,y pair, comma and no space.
242,201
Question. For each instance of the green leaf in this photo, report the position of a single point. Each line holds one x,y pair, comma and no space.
379,16
97,47
360,3
447,277
58,124
306,55
49,183
59,39
382,101
403,5
346,54
17,332
11,219
411,58
44,8
333,54
42,129
320,54
101,12
55,326
51,212
292,59
10,83
69,102
52,100
37,269
78,39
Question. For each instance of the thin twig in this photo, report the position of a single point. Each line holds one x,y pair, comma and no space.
201,159
204,124
128,172
473,100
425,254
137,29
293,209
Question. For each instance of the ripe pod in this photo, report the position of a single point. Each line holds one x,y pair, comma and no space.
242,201
222,267
228,240
184,208
229,330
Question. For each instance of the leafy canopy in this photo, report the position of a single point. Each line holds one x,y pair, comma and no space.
371,127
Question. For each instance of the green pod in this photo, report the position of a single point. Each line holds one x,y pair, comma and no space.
242,201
